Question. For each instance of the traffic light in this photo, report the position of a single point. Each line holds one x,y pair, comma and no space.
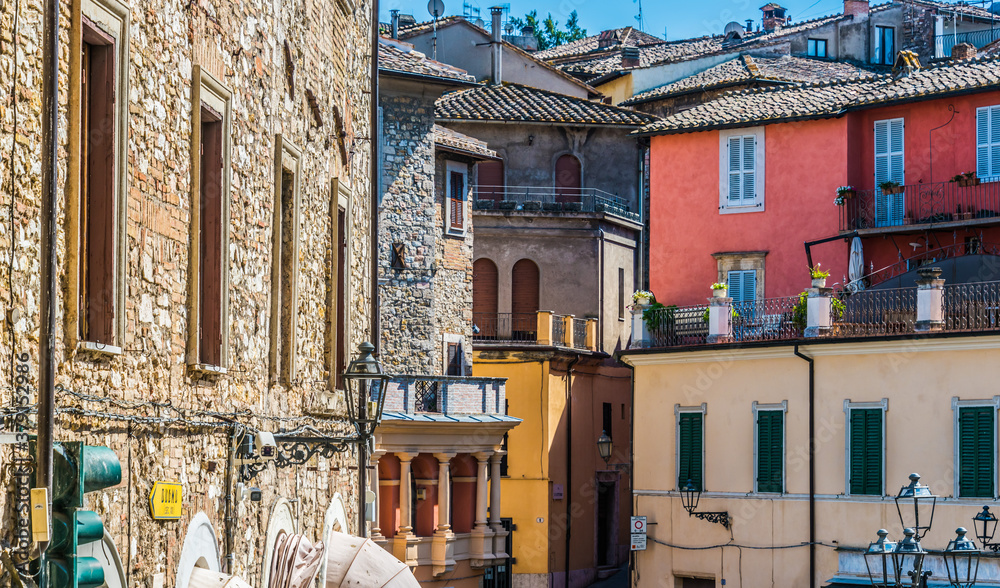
76,470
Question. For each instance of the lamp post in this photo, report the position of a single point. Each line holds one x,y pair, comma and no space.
878,560
690,496
365,383
909,555
916,503
961,559
985,524
604,447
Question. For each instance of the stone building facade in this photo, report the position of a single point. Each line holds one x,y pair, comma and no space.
292,181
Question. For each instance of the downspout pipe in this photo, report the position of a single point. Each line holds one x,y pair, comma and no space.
812,465
375,338
569,461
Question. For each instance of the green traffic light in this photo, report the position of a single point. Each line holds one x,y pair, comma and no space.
75,572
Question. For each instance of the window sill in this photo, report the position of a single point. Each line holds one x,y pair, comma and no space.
98,349
743,208
205,369
455,233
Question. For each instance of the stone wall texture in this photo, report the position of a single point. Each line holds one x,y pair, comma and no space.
272,57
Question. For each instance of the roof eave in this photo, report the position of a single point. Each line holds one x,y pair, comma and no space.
466,152
539,122
426,78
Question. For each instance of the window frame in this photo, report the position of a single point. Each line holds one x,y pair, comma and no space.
207,89
879,50
757,204
741,272
448,339
812,47
113,19
463,169
956,405
758,408
882,405
336,348
286,157
678,411
992,121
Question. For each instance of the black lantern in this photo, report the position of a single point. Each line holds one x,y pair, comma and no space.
604,446
690,494
909,556
365,391
962,560
986,525
915,505
878,560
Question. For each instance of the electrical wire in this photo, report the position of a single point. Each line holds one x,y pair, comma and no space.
756,547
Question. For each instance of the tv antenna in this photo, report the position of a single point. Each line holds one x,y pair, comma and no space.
638,17
436,8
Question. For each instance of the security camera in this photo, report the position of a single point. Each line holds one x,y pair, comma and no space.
475,329
256,495
263,443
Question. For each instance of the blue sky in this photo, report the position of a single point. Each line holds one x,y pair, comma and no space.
680,19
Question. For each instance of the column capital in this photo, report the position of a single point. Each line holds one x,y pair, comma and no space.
482,456
404,455
444,457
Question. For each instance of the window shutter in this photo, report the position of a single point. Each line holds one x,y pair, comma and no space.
749,169
975,452
735,170
749,289
457,200
689,450
988,142
889,166
866,451
735,286
770,451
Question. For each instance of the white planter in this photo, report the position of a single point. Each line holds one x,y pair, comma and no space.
819,282
643,301
719,293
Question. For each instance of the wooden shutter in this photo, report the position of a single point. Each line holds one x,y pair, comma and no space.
735,171
742,285
866,451
568,179
484,297
988,142
524,288
749,289
742,170
454,359
689,449
606,418
489,180
735,283
975,451
770,451
457,201
889,166
210,343
340,329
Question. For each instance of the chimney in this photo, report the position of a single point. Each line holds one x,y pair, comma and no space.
395,23
749,25
527,31
607,39
963,51
497,45
630,56
856,8
774,16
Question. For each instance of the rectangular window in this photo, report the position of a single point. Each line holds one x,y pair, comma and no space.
976,451
454,359
889,167
606,414
455,197
690,443
865,450
770,451
988,143
621,293
741,170
885,45
742,285
97,218
816,48
340,363
284,269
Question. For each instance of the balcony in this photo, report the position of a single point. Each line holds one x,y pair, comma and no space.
432,396
979,39
551,200
964,307
941,205
541,328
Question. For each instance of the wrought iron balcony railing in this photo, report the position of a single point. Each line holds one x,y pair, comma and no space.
944,43
551,199
506,328
922,204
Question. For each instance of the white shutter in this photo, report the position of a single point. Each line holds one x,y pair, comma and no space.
749,169
735,171
988,142
735,286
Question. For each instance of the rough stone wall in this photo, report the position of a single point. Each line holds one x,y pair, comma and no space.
243,45
432,295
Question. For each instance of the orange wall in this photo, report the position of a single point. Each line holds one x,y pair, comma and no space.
804,165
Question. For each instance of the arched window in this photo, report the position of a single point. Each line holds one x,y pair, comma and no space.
484,298
524,298
569,178
489,181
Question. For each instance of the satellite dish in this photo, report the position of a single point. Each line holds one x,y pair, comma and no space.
436,8
480,23
735,29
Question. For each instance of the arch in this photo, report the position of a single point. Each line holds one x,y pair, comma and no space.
490,184
282,520
485,297
388,495
463,493
568,178
524,298
201,549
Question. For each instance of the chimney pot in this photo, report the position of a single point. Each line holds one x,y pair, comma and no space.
630,56
963,51
497,62
858,8
395,23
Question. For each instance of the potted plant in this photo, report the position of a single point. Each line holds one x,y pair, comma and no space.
969,213
507,205
966,180
657,316
907,219
643,298
890,187
958,212
818,276
844,193
719,290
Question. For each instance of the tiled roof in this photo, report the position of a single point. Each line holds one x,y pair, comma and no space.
991,50
746,69
606,62
960,8
444,137
624,36
828,99
394,56
423,27
514,102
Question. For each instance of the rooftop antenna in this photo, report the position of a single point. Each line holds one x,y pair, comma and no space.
638,17
436,8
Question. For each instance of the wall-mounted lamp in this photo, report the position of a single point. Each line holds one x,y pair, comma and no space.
531,139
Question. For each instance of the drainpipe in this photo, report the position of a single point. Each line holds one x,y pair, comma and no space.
569,460
230,499
496,75
812,466
376,338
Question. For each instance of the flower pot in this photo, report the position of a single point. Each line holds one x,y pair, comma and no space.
892,190
968,182
508,205
956,216
907,220
643,301
719,293
819,282
966,216
849,194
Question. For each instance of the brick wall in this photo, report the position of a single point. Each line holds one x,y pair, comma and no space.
456,395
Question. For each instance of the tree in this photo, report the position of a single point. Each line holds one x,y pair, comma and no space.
547,32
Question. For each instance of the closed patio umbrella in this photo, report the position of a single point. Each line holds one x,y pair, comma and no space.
856,267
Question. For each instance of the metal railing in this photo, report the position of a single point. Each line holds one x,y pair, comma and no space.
765,319
505,327
928,257
890,311
675,326
918,204
580,333
551,199
944,43
970,307
559,331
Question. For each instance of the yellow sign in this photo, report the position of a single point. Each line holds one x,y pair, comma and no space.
165,500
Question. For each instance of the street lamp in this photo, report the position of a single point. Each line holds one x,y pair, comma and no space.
878,560
604,447
923,504
961,558
909,555
365,381
690,495
985,525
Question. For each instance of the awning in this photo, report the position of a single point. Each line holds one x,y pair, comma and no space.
355,562
295,561
204,578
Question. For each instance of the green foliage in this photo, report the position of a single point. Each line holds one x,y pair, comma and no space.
800,311
548,32
658,315
705,315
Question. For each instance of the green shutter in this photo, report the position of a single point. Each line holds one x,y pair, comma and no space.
866,451
770,451
975,452
689,449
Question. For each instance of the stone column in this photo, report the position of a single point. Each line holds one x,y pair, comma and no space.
443,541
720,323
544,334
481,546
376,526
930,300
404,545
500,535
640,334
568,335
818,319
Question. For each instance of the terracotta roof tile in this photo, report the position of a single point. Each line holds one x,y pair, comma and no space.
395,56
828,99
624,36
444,137
514,102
